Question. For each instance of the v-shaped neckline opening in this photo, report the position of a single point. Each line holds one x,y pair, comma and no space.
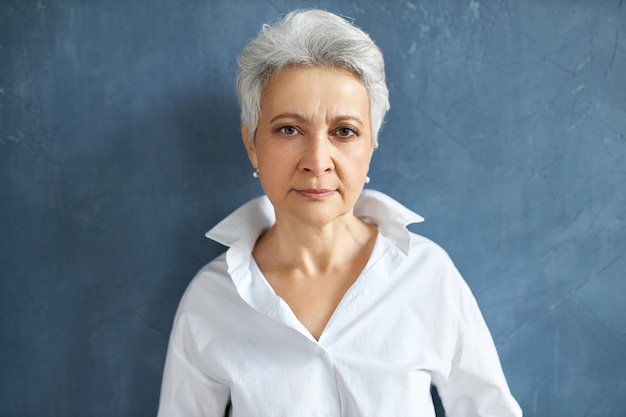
289,316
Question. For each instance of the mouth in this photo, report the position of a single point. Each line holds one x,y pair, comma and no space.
316,193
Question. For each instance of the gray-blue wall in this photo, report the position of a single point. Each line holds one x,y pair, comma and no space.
119,148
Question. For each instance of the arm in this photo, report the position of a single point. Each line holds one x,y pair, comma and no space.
187,390
475,385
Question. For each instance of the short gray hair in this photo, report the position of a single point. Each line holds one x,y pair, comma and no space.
312,38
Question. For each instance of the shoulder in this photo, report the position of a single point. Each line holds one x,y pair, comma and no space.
425,250
209,291
432,268
209,308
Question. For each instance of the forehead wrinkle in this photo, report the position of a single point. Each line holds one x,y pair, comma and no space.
317,106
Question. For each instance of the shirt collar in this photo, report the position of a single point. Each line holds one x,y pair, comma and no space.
247,222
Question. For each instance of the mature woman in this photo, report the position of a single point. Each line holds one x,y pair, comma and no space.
324,304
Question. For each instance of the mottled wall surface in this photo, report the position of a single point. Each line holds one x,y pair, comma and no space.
119,148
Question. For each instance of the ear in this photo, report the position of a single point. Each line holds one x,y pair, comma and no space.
249,145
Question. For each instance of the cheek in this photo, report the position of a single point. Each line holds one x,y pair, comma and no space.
275,170
364,160
265,156
274,161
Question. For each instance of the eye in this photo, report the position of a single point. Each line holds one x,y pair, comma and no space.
346,132
288,130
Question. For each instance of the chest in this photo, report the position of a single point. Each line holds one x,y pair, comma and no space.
375,356
313,300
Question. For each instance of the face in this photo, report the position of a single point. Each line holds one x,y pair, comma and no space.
313,143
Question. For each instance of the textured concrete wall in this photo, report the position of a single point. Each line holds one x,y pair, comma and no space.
119,148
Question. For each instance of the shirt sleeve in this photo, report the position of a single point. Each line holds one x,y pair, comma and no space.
475,385
186,389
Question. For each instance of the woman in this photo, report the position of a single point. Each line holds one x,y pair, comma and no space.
324,304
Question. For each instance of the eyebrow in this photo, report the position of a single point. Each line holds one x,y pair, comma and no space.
295,116
300,118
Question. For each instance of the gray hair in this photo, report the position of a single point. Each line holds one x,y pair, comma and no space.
312,38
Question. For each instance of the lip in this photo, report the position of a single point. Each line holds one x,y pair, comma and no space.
316,193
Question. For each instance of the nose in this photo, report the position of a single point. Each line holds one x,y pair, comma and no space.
317,157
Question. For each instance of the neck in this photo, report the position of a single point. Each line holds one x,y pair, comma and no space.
316,249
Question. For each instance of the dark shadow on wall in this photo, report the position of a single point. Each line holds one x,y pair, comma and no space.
184,174
105,224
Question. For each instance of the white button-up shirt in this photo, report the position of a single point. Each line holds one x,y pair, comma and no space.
408,321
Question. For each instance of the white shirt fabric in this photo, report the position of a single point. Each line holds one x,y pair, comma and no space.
409,321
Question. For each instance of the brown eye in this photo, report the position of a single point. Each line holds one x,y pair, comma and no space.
288,130
345,132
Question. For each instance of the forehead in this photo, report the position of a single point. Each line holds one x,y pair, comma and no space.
305,89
